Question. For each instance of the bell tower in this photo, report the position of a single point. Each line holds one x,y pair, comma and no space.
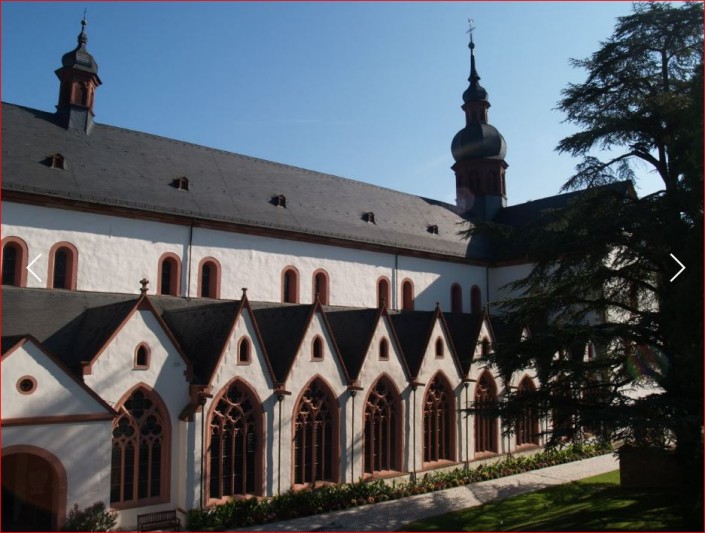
478,150
79,79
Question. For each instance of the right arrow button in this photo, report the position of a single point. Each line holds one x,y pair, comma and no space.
680,264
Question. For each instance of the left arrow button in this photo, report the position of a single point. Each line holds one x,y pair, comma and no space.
29,268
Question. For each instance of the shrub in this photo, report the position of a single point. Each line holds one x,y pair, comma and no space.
93,518
292,504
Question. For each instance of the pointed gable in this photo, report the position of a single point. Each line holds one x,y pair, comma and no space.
56,396
203,331
282,329
353,330
464,330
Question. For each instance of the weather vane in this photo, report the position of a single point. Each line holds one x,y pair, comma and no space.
470,28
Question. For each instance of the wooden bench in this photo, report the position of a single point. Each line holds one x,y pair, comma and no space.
157,520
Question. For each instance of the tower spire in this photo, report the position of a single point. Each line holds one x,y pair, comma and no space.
478,150
79,79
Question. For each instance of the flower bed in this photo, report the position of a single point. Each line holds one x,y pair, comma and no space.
294,504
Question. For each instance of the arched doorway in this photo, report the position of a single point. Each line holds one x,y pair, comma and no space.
33,490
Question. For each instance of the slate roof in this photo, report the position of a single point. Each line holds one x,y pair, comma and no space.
119,167
352,329
282,328
413,330
202,331
464,329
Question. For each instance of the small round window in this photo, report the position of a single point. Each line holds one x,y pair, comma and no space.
26,385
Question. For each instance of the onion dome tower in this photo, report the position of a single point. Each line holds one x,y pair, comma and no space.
79,78
478,150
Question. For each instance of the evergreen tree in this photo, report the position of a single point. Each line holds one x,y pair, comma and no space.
617,347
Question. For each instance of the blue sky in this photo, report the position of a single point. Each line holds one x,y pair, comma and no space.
369,91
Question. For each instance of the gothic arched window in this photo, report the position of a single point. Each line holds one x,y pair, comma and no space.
139,471
382,428
485,419
234,440
315,434
527,425
438,421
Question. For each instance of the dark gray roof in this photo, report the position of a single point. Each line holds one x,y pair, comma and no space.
118,167
464,329
282,329
413,330
202,331
529,212
352,329
57,317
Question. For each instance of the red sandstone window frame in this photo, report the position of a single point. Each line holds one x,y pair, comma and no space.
159,410
71,267
147,356
240,398
174,274
407,295
527,425
21,255
383,349
244,346
438,422
316,408
383,293
290,285
475,299
214,278
456,298
321,286
318,350
29,391
382,441
485,397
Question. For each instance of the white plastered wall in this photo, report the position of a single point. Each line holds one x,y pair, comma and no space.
115,253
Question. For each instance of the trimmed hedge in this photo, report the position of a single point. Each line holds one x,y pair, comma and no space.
306,502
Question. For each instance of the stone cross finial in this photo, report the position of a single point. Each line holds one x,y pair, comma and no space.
144,282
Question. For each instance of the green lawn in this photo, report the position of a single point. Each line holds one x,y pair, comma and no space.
593,504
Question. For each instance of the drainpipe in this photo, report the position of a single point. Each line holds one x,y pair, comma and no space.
414,385
188,274
280,398
466,385
353,388
202,400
